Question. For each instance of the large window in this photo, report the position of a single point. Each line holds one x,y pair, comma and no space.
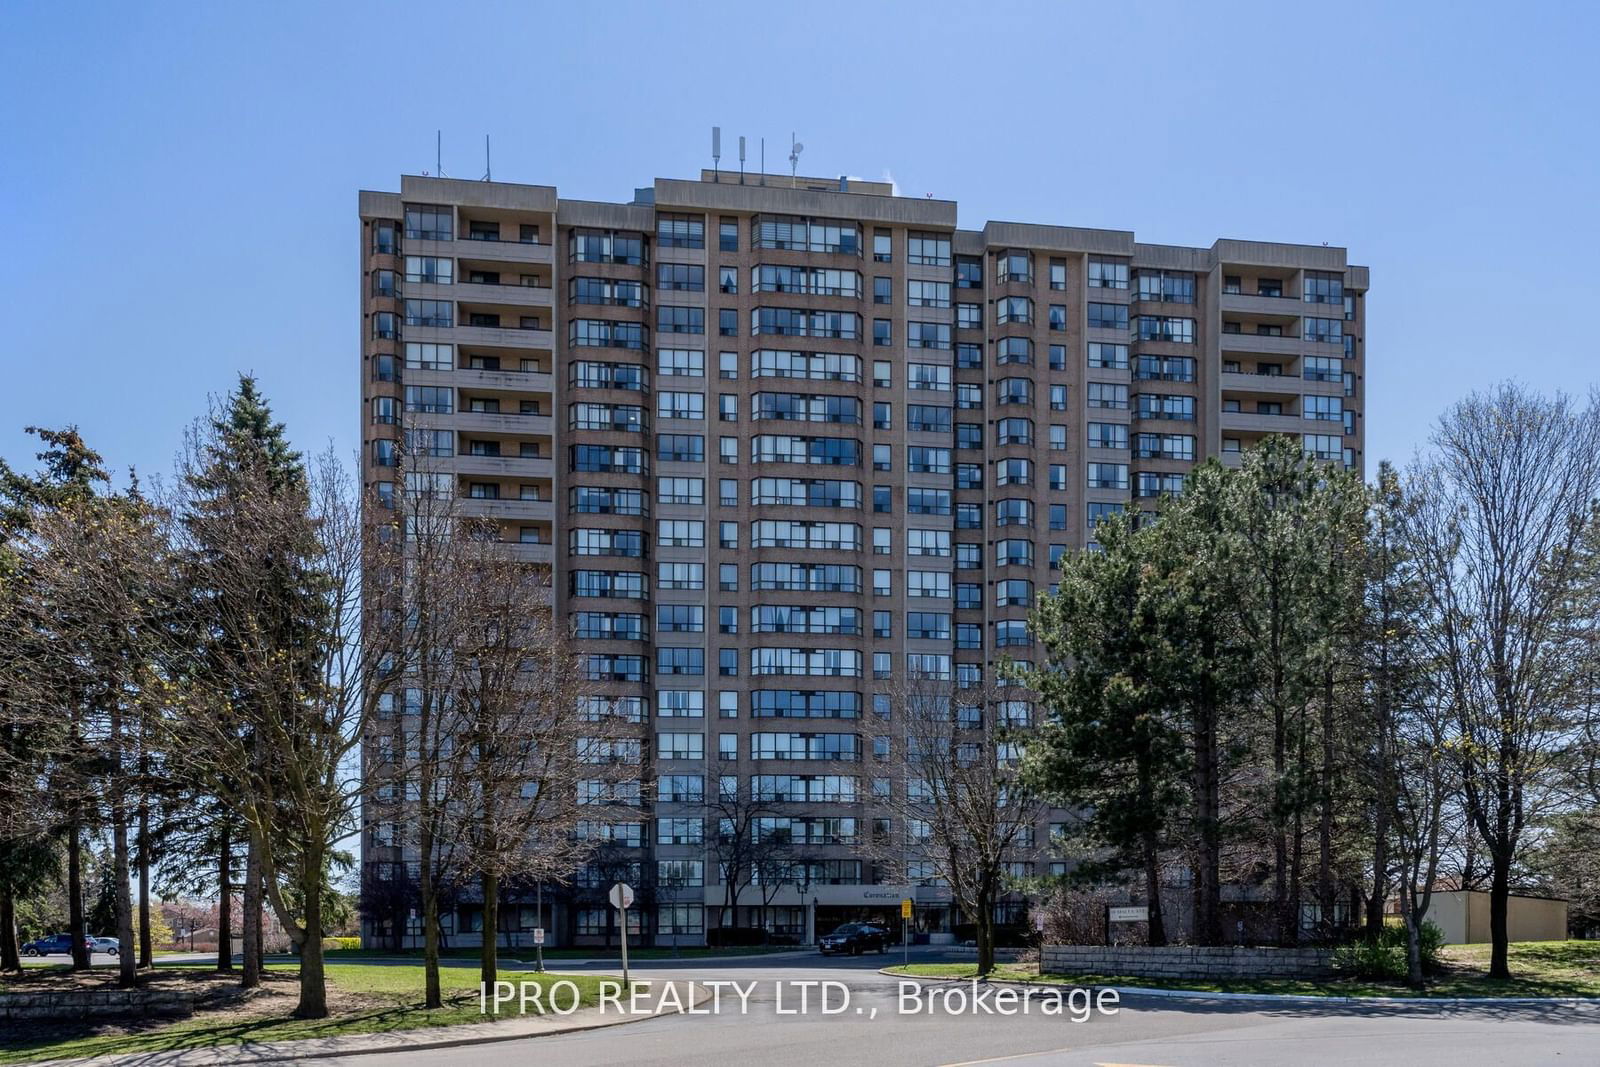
680,231
928,249
606,246
1107,274
805,234
1166,328
1108,316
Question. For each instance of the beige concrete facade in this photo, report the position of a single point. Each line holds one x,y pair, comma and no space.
1463,918
778,442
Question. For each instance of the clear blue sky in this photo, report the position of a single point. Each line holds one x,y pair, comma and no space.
178,182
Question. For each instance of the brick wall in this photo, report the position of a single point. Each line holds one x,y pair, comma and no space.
1191,962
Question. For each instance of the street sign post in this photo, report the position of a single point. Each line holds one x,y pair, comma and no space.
622,899
905,930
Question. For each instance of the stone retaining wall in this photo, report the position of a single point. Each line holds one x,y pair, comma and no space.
85,1004
1188,962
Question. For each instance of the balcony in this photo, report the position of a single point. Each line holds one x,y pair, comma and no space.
529,552
496,422
464,247
509,468
1270,306
512,510
1288,344
1251,422
508,381
1277,384
539,296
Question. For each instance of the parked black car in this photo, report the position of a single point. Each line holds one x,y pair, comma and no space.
854,939
61,943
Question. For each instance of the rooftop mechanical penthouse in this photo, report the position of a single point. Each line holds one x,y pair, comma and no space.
782,441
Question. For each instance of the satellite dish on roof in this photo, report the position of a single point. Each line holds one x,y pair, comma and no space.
795,148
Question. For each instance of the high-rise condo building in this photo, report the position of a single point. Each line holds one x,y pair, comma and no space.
782,441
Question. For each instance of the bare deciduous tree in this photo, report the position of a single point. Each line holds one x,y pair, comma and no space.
1501,510
956,810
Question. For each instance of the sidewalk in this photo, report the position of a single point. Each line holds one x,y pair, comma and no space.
318,1048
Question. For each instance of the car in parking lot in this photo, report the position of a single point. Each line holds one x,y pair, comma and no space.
855,938
54,943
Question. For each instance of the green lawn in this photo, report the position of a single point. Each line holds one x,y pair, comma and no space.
526,953
1538,968
366,999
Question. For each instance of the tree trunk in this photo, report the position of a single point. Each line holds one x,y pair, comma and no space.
10,951
489,963
1408,912
147,952
250,972
1380,869
75,919
984,924
1207,809
1325,887
127,963
1156,930
313,978
224,901
1499,898
432,996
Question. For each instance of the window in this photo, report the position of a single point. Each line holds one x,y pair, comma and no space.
676,405
1172,288
882,247
1099,510
727,323
1058,438
1164,406
679,618
1014,391
1058,398
1058,274
1324,408
804,234
681,660
801,322
1108,316
680,277
1017,350
1166,328
429,312
603,333
1108,435
681,575
727,452
680,533
428,222
1165,368
928,294
1154,484
1107,395
1325,331
817,281
606,246
670,319
969,273
1164,446
882,332
767,363
934,376
927,249
1108,476
680,362
1104,356
1013,511
680,490
1058,316
882,458
1324,288
680,231
1107,274
728,365
1008,309
969,317
1014,431
728,235
928,335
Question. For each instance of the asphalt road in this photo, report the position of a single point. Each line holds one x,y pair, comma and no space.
1148,1031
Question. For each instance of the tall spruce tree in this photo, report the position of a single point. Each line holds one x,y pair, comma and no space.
239,466
1114,745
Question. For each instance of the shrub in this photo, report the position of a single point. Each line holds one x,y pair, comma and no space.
1384,959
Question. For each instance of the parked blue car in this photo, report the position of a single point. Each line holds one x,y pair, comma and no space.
61,943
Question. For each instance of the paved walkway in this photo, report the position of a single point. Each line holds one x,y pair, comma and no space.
419,1040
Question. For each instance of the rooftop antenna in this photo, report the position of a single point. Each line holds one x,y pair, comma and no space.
741,159
438,153
487,169
716,153
763,161
795,148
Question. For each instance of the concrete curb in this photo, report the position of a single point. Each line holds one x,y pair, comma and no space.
394,1041
1266,998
